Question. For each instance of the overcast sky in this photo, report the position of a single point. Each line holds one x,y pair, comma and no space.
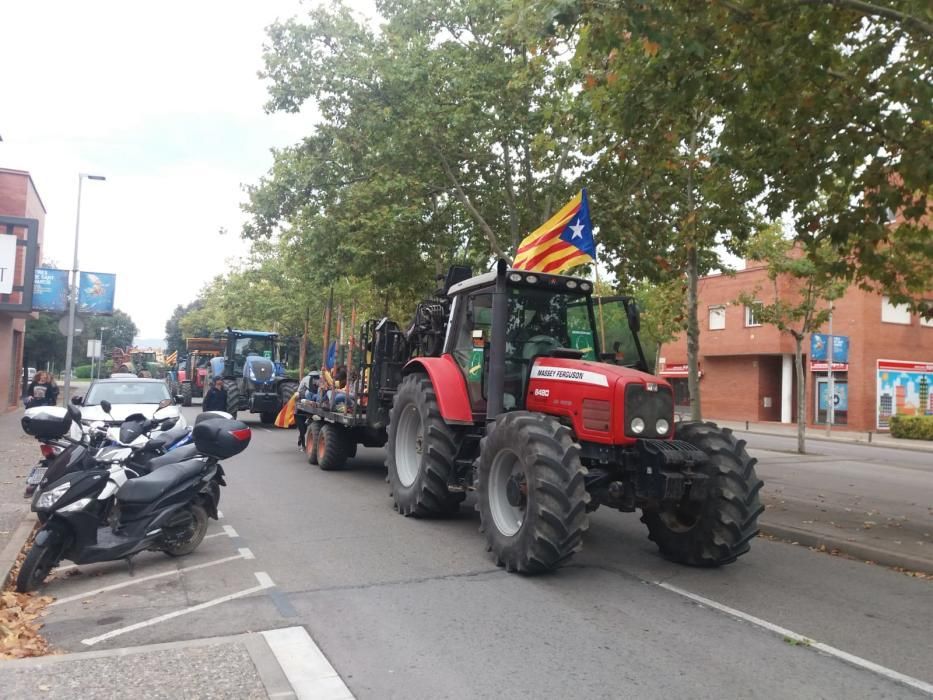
162,99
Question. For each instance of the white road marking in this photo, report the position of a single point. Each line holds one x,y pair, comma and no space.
260,575
264,579
133,582
215,534
220,515
246,553
789,634
305,666
230,531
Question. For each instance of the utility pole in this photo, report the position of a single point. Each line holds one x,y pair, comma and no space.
830,389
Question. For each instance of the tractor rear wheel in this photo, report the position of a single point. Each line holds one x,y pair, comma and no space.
716,530
420,452
233,396
186,393
531,496
331,447
311,439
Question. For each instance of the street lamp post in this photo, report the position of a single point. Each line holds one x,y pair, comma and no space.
73,302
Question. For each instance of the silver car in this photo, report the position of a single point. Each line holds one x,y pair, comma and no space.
127,396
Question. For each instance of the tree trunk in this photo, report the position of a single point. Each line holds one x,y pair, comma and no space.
657,359
693,335
801,396
514,228
303,352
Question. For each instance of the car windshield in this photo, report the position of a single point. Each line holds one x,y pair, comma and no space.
126,392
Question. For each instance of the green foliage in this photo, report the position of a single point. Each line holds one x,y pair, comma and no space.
83,372
44,345
912,427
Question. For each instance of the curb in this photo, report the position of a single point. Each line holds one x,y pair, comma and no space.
856,550
14,546
849,441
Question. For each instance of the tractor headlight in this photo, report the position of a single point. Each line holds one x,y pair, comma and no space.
47,499
638,426
662,426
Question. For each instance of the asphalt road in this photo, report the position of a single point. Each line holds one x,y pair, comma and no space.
417,609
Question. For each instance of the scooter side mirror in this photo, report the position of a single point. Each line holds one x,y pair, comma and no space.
165,403
106,405
74,412
77,400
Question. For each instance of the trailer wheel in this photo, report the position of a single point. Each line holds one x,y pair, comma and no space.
331,447
531,496
233,396
186,393
718,529
420,452
311,438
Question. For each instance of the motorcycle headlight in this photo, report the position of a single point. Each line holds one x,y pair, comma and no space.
80,504
49,498
662,426
638,426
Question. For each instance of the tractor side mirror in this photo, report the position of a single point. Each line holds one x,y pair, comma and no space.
634,316
77,400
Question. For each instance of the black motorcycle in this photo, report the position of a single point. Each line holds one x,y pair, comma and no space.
166,510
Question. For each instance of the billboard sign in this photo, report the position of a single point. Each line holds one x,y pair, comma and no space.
95,293
50,290
819,352
904,388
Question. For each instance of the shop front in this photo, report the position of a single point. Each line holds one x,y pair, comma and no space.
905,388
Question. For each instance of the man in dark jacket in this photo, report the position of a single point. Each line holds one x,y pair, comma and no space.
216,397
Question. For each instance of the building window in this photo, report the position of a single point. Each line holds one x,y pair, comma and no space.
928,322
751,314
717,318
894,313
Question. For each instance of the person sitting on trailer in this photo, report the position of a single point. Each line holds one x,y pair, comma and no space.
337,397
306,389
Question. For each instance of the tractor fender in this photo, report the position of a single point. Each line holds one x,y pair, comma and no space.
445,374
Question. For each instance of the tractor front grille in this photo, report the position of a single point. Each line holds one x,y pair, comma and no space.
649,406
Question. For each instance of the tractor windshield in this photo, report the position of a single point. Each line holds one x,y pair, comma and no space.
261,346
541,320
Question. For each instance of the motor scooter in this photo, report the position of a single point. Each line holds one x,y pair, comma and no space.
166,510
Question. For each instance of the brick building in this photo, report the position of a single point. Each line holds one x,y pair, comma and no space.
747,370
19,201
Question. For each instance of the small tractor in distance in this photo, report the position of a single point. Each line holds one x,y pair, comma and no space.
499,386
253,378
193,369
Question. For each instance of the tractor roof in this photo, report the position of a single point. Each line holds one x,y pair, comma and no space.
536,280
238,333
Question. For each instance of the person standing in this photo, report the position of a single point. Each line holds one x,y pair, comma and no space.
42,391
216,397
306,389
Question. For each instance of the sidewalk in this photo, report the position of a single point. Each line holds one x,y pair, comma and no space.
18,454
844,497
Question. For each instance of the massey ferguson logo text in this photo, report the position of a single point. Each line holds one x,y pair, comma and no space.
566,374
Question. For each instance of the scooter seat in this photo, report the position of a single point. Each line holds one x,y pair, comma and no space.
179,454
149,488
167,438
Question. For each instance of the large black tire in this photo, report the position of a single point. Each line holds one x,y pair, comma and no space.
420,452
332,447
185,390
190,532
233,396
40,560
531,495
718,529
311,440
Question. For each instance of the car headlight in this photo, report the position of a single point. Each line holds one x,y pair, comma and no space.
662,426
638,426
49,498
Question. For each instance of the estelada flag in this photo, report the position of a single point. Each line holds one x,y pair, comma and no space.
286,417
560,243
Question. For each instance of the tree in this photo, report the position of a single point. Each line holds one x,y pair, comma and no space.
803,285
662,313
174,337
44,345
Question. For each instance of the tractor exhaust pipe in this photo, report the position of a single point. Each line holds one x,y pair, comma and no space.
500,318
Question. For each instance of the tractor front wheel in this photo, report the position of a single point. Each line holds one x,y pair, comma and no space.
531,495
420,452
715,530
233,396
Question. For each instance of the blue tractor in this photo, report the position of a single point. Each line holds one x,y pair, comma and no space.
252,374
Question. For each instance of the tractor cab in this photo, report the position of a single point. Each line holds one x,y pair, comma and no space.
547,317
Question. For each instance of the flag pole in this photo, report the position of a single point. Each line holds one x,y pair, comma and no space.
599,300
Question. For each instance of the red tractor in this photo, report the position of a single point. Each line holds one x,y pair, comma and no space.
193,369
500,386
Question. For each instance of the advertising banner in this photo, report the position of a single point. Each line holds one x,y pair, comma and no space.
840,396
95,293
50,290
819,352
905,388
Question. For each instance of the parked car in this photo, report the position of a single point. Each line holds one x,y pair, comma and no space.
127,395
